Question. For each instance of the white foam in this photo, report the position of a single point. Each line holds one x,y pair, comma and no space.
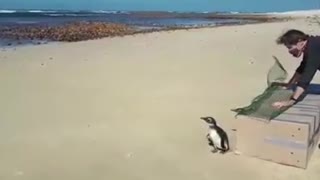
54,14
7,11
41,11
300,13
105,12
35,11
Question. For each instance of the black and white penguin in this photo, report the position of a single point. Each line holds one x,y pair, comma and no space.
216,136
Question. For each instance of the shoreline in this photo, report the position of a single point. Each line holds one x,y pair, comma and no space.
22,38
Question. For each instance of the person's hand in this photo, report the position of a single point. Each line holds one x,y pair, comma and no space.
281,104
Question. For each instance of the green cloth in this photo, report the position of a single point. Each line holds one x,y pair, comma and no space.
261,106
277,73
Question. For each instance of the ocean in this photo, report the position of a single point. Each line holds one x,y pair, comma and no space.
140,20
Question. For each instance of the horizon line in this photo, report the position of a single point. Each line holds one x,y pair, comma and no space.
91,10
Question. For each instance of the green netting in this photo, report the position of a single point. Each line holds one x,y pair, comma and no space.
277,73
261,106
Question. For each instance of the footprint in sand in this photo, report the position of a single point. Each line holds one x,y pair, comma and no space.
129,155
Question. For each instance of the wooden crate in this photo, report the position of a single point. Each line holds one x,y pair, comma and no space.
289,139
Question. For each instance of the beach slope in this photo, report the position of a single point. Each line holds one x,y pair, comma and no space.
128,108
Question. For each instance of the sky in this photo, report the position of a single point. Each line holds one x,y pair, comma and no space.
166,5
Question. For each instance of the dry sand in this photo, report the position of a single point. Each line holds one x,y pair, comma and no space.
128,108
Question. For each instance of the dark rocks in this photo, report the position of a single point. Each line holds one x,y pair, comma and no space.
71,32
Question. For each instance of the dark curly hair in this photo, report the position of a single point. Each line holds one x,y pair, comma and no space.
292,37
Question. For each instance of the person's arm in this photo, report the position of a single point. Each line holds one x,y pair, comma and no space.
296,76
299,71
311,67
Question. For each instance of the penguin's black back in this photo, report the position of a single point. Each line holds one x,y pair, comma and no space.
224,137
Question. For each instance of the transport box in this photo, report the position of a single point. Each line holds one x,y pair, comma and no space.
289,139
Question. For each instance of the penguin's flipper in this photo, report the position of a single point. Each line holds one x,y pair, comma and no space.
210,142
214,147
225,144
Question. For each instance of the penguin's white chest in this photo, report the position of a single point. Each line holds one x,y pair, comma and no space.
215,137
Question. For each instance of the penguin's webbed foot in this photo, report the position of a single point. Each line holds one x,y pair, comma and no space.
222,151
214,150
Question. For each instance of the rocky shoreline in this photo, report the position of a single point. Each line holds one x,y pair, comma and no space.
71,32
81,31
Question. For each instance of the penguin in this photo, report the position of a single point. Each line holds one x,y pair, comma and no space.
217,137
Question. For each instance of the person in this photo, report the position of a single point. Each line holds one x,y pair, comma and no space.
298,43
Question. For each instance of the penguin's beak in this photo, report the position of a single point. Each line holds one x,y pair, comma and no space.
204,119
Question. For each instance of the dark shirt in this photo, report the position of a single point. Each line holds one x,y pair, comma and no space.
310,62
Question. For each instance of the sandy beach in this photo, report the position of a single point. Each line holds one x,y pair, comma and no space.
128,108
